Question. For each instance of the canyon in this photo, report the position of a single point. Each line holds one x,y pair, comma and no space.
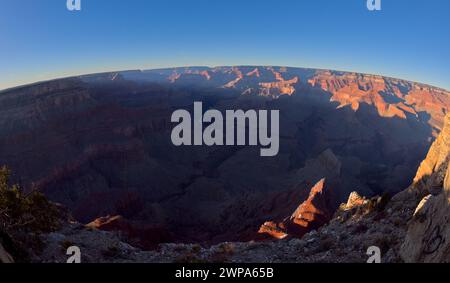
101,146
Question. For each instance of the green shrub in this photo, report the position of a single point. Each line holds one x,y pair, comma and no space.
30,212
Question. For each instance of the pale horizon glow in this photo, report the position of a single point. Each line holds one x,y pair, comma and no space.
67,74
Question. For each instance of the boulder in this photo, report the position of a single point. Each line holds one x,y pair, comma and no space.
355,200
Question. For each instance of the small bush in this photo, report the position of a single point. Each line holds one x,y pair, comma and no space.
26,212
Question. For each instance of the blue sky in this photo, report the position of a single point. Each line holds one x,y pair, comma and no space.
41,39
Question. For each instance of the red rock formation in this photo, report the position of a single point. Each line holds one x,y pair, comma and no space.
239,77
354,200
255,72
109,223
391,97
278,88
310,215
275,230
206,75
174,77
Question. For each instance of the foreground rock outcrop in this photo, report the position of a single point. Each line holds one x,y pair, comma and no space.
432,170
428,234
428,237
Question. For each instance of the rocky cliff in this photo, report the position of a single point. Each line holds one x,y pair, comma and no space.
428,235
432,170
